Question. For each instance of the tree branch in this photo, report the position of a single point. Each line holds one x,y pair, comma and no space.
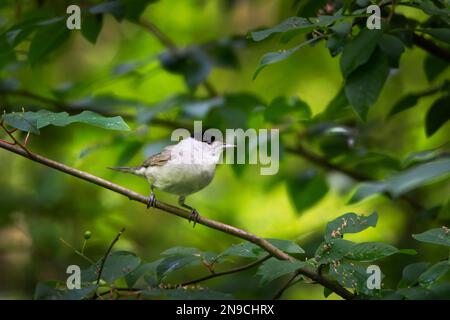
102,265
431,47
231,230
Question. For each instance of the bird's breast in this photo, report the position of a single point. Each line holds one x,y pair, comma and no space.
181,179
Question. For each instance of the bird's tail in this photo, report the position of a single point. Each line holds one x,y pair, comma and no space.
133,170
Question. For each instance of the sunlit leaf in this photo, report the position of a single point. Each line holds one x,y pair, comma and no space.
439,236
349,223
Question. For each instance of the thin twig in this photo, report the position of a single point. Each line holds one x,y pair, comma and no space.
16,141
102,265
81,254
431,47
288,283
231,230
218,274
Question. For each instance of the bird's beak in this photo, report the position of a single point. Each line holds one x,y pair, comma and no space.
225,146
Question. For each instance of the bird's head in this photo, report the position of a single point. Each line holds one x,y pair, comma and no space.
216,148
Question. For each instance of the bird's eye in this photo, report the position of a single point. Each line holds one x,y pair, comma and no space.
209,140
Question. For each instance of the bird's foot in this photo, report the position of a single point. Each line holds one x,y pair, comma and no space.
151,201
193,216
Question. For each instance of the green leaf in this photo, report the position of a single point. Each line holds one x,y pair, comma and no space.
351,275
417,176
439,236
412,272
337,108
286,246
338,249
94,119
349,223
47,39
21,121
371,251
404,103
78,294
251,250
342,29
358,51
274,57
114,7
327,292
430,8
416,293
367,189
291,23
185,294
135,8
405,181
307,189
145,269
393,48
426,155
118,264
192,62
33,121
173,263
282,109
364,85
433,273
244,249
333,250
7,54
442,34
441,290
273,269
49,291
91,27
437,115
434,67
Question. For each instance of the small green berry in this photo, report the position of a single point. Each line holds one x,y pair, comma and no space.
87,235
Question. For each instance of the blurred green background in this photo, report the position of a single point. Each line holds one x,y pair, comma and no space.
38,205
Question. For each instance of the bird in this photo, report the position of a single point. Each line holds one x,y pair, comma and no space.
180,169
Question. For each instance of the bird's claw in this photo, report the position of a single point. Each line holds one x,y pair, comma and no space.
151,201
193,216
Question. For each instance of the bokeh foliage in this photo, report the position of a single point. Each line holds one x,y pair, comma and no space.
363,120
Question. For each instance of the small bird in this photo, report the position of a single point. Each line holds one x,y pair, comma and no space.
181,169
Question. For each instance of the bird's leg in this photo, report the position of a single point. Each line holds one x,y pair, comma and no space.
151,199
194,213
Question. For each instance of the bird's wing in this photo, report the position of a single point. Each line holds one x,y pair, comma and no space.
158,159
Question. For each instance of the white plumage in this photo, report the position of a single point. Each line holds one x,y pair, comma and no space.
180,169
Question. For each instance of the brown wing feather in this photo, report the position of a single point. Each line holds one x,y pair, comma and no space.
158,159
